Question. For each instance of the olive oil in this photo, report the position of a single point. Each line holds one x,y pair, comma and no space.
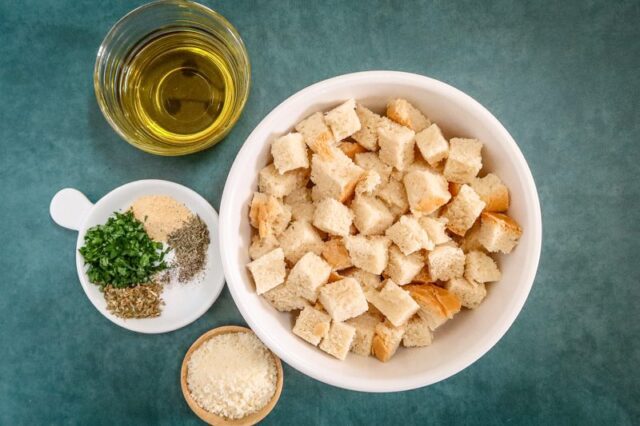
178,88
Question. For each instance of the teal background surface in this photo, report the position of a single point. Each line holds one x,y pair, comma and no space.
564,79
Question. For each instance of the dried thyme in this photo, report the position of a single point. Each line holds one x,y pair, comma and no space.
190,243
141,301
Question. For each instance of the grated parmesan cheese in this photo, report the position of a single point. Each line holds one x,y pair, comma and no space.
232,375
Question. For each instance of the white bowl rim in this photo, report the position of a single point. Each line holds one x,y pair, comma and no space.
465,359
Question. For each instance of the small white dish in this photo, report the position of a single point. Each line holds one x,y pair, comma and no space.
183,303
460,342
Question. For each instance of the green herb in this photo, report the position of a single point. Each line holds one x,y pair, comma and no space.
120,252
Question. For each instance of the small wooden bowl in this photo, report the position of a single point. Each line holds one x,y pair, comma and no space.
214,419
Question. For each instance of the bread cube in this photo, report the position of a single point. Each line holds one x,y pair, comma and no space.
492,191
270,181
498,232
308,275
464,161
365,326
284,298
297,196
343,299
402,268
462,212
402,112
261,246
338,340
367,136
336,254
394,303
470,293
335,177
432,145
481,268
289,153
417,333
446,262
268,215
371,161
394,195
471,241
312,325
333,217
298,239
408,235
396,145
268,271
343,120
317,135
427,191
371,215
368,253
367,280
437,305
386,340
351,149
368,183
435,229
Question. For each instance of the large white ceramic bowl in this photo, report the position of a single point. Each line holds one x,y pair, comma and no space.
458,343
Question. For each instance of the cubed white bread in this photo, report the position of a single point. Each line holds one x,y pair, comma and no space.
335,177
480,267
365,326
368,183
435,228
371,161
463,210
336,254
386,340
351,149
268,271
427,191
317,135
368,253
367,136
394,303
338,340
312,325
289,153
471,240
333,217
492,191
446,262
343,299
270,181
396,145
432,145
308,275
261,246
268,215
402,268
464,161
284,298
408,235
367,280
417,333
371,215
437,305
470,293
298,239
343,120
302,211
498,232
394,195
402,112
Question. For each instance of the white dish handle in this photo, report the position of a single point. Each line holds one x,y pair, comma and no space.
69,208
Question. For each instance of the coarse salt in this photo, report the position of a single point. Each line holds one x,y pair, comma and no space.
232,375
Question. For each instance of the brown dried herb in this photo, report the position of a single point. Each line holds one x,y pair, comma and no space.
190,243
141,301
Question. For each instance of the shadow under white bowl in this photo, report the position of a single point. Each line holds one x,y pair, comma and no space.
470,334
184,303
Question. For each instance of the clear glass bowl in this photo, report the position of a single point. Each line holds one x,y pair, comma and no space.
131,33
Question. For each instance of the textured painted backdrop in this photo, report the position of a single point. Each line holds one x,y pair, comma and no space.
563,77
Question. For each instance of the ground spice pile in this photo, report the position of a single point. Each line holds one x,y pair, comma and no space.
160,214
141,301
190,243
